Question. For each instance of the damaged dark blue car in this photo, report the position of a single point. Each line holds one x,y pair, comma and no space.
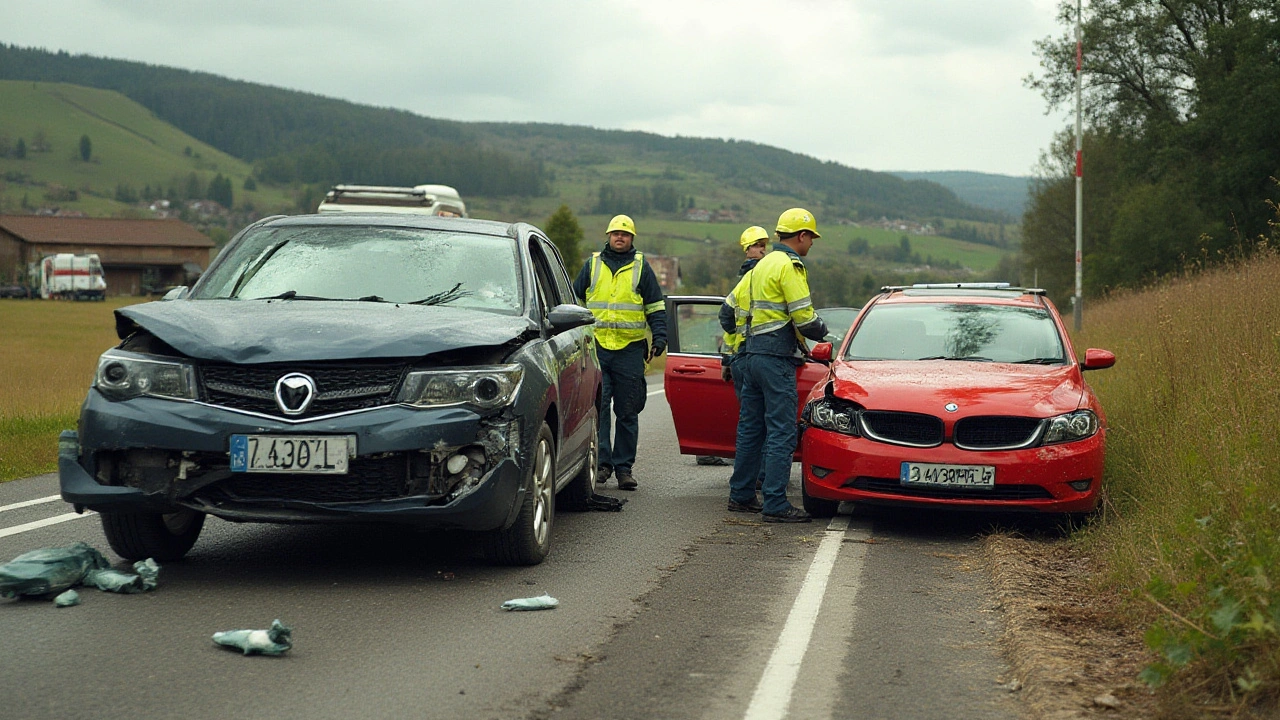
406,369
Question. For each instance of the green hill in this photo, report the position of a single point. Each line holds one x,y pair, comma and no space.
130,149
1006,193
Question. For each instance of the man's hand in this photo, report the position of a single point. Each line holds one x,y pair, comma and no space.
657,349
726,373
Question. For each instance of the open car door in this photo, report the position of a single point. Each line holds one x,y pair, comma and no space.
703,406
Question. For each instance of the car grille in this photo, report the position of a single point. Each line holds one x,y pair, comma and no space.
892,486
995,432
903,428
339,388
367,478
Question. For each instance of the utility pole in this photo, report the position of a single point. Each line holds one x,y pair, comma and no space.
1078,300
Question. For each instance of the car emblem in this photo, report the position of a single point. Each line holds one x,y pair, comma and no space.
294,393
951,407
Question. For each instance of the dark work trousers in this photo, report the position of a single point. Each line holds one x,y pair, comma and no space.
625,389
766,429
737,392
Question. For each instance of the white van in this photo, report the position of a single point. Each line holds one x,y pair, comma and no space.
420,199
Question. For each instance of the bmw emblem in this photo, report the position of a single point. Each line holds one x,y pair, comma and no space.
294,393
951,407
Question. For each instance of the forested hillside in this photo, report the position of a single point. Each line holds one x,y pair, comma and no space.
295,137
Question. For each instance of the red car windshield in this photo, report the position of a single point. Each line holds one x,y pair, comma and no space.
957,331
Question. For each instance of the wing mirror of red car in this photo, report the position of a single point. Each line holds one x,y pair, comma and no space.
1097,359
821,352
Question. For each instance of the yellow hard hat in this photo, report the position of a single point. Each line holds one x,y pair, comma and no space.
751,236
797,219
622,223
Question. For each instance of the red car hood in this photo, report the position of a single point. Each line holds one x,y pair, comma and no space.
978,388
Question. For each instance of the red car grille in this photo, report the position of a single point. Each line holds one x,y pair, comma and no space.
996,432
902,428
891,486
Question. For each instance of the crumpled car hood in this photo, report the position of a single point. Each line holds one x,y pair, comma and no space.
261,331
926,386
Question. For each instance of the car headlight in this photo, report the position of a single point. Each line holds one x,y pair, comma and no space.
1073,426
833,415
485,387
123,375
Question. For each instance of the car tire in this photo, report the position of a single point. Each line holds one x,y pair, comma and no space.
575,495
528,540
818,507
163,536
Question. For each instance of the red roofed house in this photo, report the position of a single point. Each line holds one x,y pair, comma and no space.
138,256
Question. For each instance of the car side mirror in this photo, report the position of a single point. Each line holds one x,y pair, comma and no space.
1097,359
821,352
567,317
177,293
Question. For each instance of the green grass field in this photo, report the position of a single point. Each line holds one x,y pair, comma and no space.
129,145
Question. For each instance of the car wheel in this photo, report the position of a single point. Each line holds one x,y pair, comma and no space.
818,507
575,495
528,540
163,536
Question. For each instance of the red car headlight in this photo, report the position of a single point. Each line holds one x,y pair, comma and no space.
833,414
1071,427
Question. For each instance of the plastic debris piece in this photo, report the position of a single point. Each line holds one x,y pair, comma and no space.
149,571
605,503
49,570
67,599
258,642
112,580
542,602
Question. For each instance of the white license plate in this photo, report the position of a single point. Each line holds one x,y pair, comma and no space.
937,475
320,454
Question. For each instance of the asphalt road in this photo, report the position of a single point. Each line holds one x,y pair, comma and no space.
672,608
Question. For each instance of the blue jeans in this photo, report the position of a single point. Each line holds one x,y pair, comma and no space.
766,429
624,388
737,391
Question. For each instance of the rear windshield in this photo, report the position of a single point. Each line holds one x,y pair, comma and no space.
400,265
960,331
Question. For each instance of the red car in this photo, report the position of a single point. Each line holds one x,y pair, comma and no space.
964,396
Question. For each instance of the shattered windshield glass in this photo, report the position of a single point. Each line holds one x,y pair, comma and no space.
371,264
957,331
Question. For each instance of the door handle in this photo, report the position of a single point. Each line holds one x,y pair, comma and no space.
689,369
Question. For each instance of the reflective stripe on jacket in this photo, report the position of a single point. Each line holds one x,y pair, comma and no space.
616,302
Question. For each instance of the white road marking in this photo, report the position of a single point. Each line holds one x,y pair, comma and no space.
29,503
659,391
773,693
6,532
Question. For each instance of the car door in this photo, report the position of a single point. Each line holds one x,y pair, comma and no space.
566,353
704,407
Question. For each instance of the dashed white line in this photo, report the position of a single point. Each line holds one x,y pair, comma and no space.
6,532
773,693
29,503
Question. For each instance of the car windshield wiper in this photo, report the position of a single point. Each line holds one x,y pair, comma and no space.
370,298
970,358
1040,361
291,295
441,298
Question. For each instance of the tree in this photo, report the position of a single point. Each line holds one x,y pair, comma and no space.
249,183
220,191
20,150
86,148
565,232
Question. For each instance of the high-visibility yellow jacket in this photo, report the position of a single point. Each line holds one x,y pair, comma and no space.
774,297
615,300
733,339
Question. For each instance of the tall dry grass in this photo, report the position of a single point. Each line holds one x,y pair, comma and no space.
1193,474
48,354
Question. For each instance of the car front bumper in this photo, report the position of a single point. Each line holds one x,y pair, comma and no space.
187,446
840,467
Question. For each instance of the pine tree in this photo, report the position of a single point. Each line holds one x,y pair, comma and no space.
565,232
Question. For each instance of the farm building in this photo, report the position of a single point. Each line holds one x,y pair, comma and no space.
138,256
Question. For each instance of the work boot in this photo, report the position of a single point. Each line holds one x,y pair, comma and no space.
626,482
790,515
602,474
711,460
751,506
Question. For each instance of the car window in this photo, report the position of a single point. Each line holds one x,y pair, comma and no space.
547,291
555,268
402,265
838,321
698,329
957,331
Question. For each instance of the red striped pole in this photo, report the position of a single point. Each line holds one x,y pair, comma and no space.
1078,299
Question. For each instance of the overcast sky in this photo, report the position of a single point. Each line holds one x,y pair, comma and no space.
876,84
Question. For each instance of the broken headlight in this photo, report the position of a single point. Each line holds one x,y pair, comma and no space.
124,375
1070,427
833,414
485,387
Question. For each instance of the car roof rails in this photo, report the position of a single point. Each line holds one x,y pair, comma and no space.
377,194
978,286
